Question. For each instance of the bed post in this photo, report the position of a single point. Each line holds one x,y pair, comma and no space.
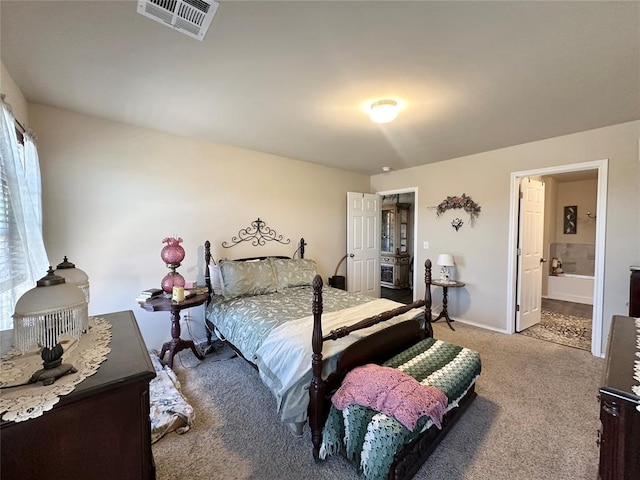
302,245
428,328
207,281
316,401
207,273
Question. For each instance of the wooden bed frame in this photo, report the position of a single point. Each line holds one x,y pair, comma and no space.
375,348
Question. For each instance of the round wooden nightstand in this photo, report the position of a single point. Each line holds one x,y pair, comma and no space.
162,304
445,286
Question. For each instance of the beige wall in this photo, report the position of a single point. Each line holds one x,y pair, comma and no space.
14,96
550,209
112,192
481,251
583,194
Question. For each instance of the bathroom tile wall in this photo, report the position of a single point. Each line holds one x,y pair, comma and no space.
577,258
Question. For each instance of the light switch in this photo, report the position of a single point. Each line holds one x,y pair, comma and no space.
425,245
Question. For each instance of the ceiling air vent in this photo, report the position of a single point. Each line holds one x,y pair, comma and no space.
191,17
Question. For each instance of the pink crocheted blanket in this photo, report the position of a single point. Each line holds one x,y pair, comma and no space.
391,392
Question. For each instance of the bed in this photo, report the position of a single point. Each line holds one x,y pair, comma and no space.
303,337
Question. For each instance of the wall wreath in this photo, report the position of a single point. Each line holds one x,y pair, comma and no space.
462,202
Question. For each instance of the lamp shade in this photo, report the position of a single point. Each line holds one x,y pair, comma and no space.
383,111
74,276
445,260
49,310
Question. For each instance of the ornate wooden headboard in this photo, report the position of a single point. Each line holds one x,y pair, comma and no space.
258,234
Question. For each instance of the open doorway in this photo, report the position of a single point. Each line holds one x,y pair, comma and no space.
566,259
572,246
398,226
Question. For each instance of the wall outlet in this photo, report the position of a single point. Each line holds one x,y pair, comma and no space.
425,245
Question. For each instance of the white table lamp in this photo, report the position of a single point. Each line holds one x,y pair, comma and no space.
77,277
445,260
42,315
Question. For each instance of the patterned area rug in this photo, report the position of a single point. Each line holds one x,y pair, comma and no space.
568,330
169,409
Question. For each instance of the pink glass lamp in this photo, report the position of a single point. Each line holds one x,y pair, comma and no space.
172,254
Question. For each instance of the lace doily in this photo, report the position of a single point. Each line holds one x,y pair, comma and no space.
32,400
636,366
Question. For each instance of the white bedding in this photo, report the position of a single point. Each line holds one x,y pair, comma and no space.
284,357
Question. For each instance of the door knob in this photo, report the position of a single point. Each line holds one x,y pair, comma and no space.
351,255
543,260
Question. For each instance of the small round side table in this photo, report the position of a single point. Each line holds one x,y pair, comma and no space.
162,304
445,286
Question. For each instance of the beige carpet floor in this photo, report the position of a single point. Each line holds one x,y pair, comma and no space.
535,417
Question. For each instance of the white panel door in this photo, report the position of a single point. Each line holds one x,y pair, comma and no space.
363,248
530,249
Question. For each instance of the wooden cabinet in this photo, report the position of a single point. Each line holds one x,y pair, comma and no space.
395,229
394,245
634,292
394,271
619,405
101,430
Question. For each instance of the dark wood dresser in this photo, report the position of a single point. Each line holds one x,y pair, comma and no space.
634,292
619,407
101,430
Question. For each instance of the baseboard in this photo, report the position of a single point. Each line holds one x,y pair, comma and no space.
568,297
479,325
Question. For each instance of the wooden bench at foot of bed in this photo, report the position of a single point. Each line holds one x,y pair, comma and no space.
390,450
453,370
409,460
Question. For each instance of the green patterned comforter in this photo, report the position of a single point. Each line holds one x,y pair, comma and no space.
246,321
371,439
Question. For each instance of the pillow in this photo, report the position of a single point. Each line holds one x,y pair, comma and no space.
247,278
216,278
294,272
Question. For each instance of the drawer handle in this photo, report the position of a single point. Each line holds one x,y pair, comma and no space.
611,408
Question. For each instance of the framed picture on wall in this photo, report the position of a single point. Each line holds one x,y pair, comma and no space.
570,219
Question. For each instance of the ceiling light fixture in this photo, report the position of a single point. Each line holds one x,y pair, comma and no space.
383,111
386,169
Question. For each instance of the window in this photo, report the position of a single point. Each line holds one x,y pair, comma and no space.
12,260
23,259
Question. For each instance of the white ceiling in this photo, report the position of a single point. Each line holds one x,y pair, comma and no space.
576,176
292,78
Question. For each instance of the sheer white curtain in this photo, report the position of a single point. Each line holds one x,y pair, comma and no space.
23,259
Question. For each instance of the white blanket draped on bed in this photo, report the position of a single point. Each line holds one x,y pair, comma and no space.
284,357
